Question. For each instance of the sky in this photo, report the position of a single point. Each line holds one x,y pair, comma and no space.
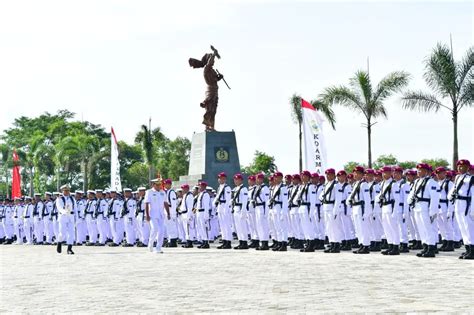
117,63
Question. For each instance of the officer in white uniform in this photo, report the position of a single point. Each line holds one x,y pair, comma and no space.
462,195
8,222
224,211
47,219
91,222
18,220
446,211
240,211
389,202
66,206
187,215
127,215
279,202
113,214
318,215
252,220
202,212
307,202
100,213
328,200
261,197
81,226
375,224
172,223
38,210
399,185
155,207
425,200
28,220
296,229
412,228
54,217
143,226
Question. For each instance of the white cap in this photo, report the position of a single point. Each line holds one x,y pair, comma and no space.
65,187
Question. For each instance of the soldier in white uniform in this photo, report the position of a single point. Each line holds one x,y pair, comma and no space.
224,211
100,213
375,224
113,214
187,215
239,209
2,218
54,217
47,219
360,200
8,222
318,216
446,211
279,202
400,188
202,211
143,226
462,194
81,226
91,222
328,199
128,217
179,220
349,239
414,235
424,198
28,220
296,229
18,220
261,197
66,206
155,207
252,219
172,223
307,202
38,219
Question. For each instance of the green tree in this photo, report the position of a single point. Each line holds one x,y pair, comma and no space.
349,166
436,162
297,116
6,164
363,98
262,162
452,85
407,164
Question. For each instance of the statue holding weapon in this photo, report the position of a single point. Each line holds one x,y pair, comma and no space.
211,76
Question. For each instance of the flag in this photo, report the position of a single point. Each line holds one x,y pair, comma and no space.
115,182
314,159
16,178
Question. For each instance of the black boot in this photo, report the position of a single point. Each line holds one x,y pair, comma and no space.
378,246
336,249
290,241
404,248
189,244
388,250
205,245
355,243
264,246
424,251
238,246
320,244
449,246
227,245
331,246
457,245
58,248
430,252
443,247
244,245
395,251
363,250
173,242
309,248
276,247
224,243
468,249
419,245
306,245
274,244
384,244
254,244
470,253
283,247
69,250
299,244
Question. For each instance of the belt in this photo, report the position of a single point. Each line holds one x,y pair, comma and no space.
260,204
89,212
201,210
463,198
278,203
444,201
27,217
468,200
423,199
358,203
238,204
401,204
294,206
307,204
182,212
328,202
386,203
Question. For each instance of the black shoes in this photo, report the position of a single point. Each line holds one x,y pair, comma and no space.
225,245
388,250
362,250
189,244
395,251
205,245
254,244
242,245
469,254
309,248
404,248
430,252
58,248
283,247
264,246
69,250
173,242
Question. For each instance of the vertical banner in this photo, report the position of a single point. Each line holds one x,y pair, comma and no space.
16,177
115,182
314,159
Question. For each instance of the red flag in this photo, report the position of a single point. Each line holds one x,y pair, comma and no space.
306,104
16,181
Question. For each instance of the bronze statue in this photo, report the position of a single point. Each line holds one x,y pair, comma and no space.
211,76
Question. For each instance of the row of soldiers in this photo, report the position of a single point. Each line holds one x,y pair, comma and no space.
369,210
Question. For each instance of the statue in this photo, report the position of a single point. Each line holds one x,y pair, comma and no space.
211,76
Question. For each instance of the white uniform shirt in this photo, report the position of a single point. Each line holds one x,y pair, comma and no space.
361,193
463,187
172,200
241,196
187,203
203,204
129,207
445,206
387,194
156,199
430,192
65,205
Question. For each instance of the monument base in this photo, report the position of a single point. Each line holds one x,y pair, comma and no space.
211,153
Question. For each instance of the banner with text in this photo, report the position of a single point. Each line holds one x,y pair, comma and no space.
314,159
115,182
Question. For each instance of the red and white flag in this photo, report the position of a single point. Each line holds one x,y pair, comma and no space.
115,182
16,177
314,159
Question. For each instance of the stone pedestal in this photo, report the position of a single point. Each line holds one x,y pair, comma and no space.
212,153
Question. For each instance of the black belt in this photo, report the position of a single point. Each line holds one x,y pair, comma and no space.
221,201
423,199
278,203
238,204
358,203
444,201
305,204
89,212
182,212
401,204
468,201
328,202
202,210
386,203
27,217
463,198
260,204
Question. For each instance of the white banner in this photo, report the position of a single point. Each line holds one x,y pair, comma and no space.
115,182
314,159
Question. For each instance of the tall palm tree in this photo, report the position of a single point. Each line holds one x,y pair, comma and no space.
361,97
452,84
66,150
145,138
297,116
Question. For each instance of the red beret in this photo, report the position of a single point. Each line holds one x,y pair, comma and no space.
378,173
251,177
423,166
330,171
370,171
306,173
185,186
222,174
278,174
322,179
350,176
440,170
450,173
386,169
297,176
411,172
315,175
260,176
167,181
359,169
398,169
341,173
463,162
203,184
270,178
238,176
288,177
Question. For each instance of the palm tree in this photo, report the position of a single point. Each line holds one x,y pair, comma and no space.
5,152
361,97
87,147
452,84
145,138
297,115
66,150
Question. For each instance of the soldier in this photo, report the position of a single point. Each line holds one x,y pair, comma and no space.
279,202
328,199
446,210
239,209
66,206
91,222
81,227
252,221
213,219
349,239
155,207
38,219
223,204
127,216
297,231
54,217
113,214
100,213
186,214
262,195
8,222
28,220
375,224
456,231
18,220
179,221
424,199
143,226
318,216
171,224
462,196
390,204
202,211
307,202
2,218
47,218
402,210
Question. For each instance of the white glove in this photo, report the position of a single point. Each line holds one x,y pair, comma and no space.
433,217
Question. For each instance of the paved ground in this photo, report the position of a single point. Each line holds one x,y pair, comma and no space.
35,279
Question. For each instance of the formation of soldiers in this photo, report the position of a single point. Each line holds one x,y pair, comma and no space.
390,210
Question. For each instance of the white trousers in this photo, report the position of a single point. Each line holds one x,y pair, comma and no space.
172,227
81,231
305,221
28,228
466,224
376,227
425,228
317,219
390,225
48,230
129,225
273,223
240,219
202,225
8,229
39,229
412,228
157,233
445,226
225,222
362,226
262,223
252,224
91,228
102,228
295,223
66,228
403,227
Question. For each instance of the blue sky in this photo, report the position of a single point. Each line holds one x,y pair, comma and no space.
119,62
